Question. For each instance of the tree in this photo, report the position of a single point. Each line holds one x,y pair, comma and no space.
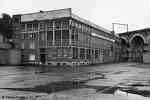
6,28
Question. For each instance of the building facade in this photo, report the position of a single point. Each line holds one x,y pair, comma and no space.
136,45
59,37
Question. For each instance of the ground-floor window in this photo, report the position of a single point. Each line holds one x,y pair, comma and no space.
75,53
22,45
32,45
82,53
32,57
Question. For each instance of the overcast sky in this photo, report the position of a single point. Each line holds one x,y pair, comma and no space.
135,13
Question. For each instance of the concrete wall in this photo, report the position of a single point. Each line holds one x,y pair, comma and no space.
10,57
1,38
14,56
3,56
146,57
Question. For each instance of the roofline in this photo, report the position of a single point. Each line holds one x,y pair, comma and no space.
76,17
44,11
83,20
139,30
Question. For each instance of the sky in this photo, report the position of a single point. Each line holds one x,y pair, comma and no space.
135,13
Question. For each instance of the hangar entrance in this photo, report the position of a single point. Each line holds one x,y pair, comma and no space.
124,50
137,45
42,55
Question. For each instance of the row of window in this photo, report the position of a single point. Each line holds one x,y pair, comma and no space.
31,45
44,25
89,53
80,27
65,53
60,35
42,35
30,57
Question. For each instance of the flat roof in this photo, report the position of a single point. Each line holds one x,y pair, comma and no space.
60,13
74,16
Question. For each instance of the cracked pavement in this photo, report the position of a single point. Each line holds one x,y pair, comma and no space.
101,81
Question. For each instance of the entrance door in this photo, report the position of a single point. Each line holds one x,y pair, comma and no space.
42,58
137,45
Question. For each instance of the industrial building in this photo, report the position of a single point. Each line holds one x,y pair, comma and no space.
59,37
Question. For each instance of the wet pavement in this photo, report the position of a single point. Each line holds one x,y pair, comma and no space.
122,81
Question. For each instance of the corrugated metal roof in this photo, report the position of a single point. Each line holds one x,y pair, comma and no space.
46,15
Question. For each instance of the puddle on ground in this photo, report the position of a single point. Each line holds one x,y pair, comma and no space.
131,93
130,96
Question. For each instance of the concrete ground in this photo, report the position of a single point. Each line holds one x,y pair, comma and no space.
120,81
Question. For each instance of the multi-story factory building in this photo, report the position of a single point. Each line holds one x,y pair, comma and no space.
59,37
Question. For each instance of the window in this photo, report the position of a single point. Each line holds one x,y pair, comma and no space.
50,25
32,35
66,52
32,45
42,26
59,52
50,35
65,34
22,45
76,37
32,57
75,53
65,24
42,36
23,28
88,54
57,35
58,24
35,26
96,54
82,53
29,27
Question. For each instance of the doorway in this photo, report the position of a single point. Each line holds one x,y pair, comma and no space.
42,58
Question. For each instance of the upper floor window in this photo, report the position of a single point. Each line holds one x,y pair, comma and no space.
58,24
29,27
65,24
50,25
42,26
35,26
23,27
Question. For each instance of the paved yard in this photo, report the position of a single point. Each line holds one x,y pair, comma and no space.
109,81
